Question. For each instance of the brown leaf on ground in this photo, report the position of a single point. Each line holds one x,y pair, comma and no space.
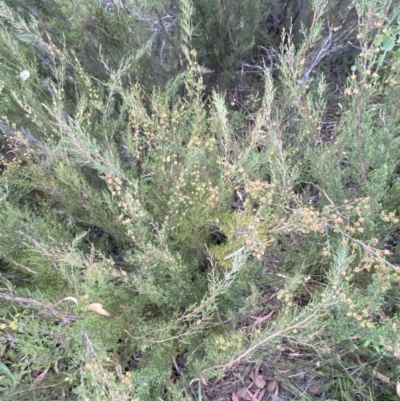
261,395
118,370
260,382
96,307
398,388
40,377
382,377
73,299
275,396
272,386
241,393
247,395
235,397
260,319
314,389
253,397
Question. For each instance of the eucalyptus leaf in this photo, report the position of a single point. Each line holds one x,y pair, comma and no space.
388,43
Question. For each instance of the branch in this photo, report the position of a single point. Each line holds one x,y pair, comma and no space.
16,263
262,342
329,45
41,306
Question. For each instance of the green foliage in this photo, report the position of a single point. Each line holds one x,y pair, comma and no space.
148,221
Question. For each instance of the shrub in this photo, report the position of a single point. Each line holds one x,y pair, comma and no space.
143,222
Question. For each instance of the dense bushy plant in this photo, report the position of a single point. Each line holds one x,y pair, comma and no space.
146,226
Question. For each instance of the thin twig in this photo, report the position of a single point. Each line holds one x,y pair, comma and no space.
261,342
17,264
329,45
41,306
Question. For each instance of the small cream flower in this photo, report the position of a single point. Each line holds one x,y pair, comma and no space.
24,75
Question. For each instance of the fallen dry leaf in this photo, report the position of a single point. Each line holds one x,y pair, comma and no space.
398,388
271,386
382,377
261,319
96,307
244,393
275,396
118,370
314,389
73,299
204,381
261,395
253,397
241,392
235,397
246,396
56,367
260,382
41,377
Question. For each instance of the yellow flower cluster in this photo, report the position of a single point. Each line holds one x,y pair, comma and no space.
260,191
191,193
389,217
233,341
131,207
